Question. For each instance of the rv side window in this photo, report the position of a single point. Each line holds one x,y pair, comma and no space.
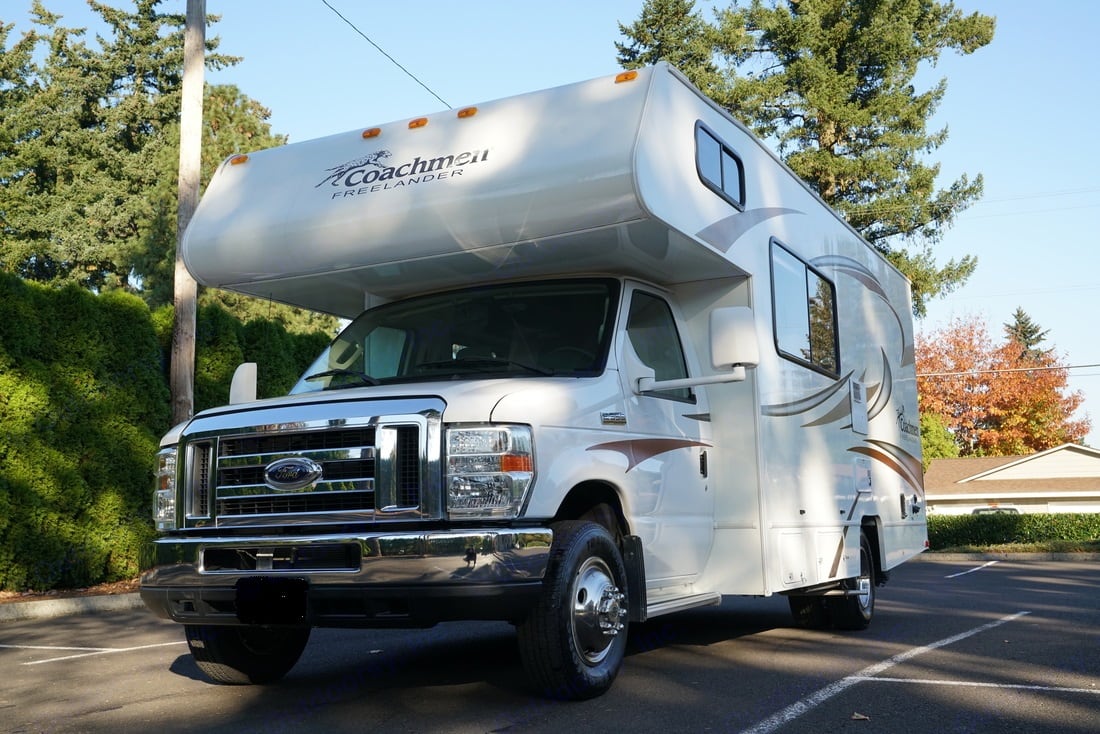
804,308
652,331
719,167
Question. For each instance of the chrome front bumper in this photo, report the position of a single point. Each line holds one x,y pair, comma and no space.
372,579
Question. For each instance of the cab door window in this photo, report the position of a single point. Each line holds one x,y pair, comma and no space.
652,331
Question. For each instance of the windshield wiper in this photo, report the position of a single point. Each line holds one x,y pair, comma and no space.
481,364
363,377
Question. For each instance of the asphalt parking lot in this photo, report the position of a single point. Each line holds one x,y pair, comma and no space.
956,646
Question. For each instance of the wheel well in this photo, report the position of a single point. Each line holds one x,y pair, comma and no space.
597,502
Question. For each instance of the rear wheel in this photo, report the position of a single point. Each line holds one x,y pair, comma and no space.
572,643
243,655
854,610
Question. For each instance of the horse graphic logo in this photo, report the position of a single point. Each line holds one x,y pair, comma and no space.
336,174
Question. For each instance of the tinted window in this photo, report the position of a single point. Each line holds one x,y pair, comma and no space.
804,308
652,331
719,167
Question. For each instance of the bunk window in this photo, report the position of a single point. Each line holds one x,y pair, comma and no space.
719,167
804,312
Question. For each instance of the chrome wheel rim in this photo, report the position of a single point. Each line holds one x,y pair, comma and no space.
598,611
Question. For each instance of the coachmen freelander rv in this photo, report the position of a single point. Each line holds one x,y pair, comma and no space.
616,361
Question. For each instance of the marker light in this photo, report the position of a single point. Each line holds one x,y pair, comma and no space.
626,76
238,159
373,132
467,112
418,122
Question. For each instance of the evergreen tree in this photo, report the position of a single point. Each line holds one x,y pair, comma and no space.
831,83
1028,334
89,151
673,31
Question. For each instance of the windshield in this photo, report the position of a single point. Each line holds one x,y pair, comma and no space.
557,327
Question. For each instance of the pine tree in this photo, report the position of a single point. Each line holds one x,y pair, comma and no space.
1028,334
673,31
89,135
831,84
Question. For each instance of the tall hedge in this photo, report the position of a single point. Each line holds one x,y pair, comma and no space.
954,531
83,402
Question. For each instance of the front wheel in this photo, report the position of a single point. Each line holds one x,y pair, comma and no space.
854,610
243,655
572,643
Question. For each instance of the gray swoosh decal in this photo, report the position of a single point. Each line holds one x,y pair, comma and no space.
725,232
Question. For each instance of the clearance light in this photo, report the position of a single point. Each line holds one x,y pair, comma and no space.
238,159
373,132
626,76
467,112
418,122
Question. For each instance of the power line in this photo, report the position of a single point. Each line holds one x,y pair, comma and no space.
382,51
971,373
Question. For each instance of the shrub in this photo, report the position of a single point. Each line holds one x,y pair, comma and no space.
952,531
83,402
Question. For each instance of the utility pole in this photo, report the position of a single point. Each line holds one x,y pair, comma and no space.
186,291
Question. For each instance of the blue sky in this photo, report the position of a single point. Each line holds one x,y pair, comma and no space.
1022,112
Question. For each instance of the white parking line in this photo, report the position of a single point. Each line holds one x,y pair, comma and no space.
50,647
977,568
814,700
979,684
85,651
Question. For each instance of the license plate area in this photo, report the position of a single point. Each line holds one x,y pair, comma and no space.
272,600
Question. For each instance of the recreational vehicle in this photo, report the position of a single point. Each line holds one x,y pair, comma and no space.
607,358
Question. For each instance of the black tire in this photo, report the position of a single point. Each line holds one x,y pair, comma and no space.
244,655
809,612
854,612
572,643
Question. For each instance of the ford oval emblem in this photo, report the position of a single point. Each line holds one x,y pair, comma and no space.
294,472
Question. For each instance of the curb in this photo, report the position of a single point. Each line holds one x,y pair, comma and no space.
50,608
1004,556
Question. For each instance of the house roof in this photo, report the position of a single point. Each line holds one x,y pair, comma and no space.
1067,469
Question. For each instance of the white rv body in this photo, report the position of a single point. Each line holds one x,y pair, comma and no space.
789,440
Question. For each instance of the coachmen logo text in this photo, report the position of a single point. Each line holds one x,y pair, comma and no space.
372,173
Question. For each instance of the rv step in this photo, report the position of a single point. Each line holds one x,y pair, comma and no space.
681,603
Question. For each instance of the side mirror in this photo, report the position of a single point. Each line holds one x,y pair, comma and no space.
733,341
243,387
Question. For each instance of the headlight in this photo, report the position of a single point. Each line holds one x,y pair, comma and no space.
489,469
164,496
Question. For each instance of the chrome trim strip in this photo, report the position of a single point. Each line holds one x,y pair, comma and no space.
251,460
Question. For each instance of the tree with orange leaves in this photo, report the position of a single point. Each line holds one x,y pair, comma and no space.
1003,399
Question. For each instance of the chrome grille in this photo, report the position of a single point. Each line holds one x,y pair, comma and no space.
361,468
296,443
347,457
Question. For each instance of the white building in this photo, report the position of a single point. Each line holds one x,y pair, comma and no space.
1062,479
